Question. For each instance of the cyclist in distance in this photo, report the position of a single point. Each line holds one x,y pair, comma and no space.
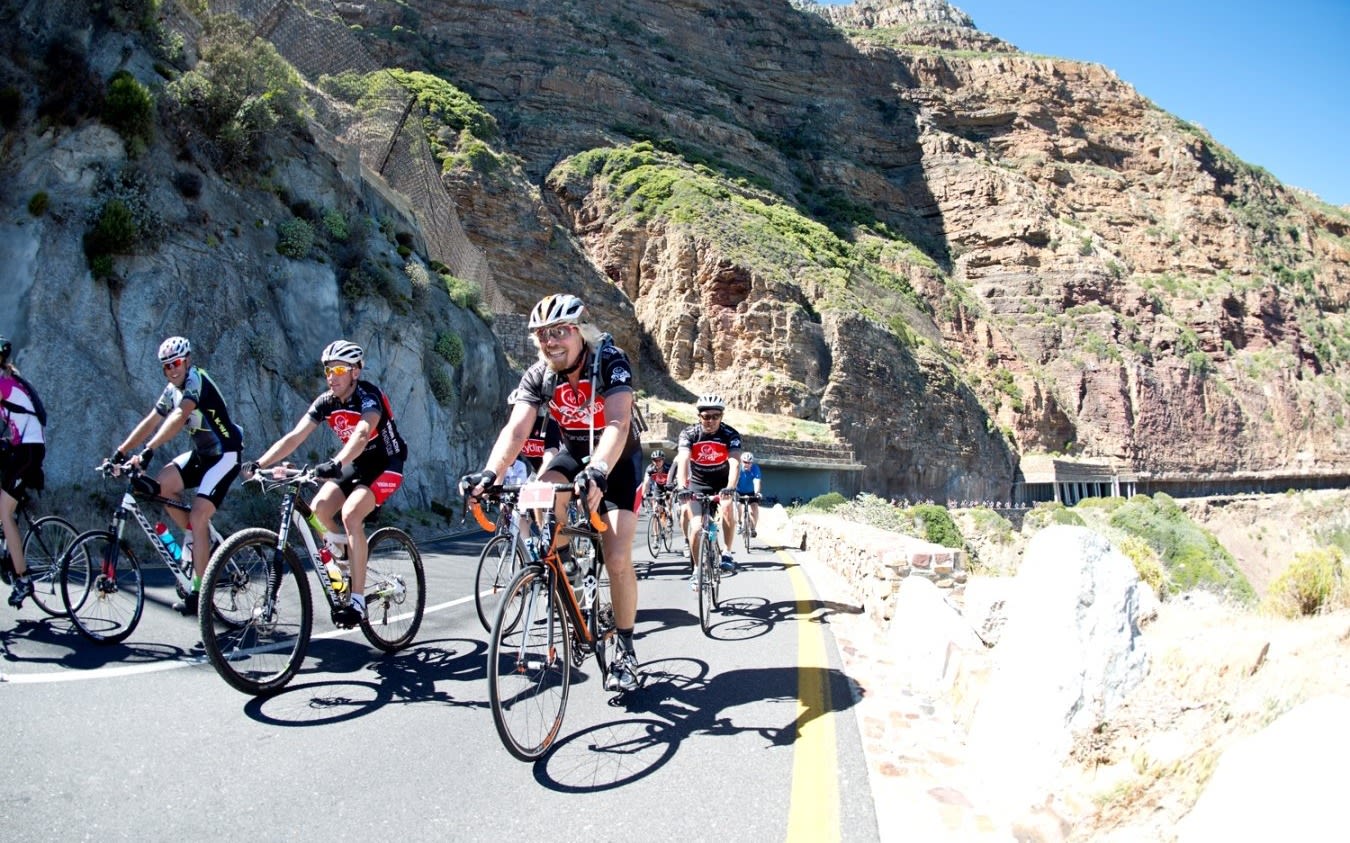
365,471
585,383
658,480
749,483
22,449
192,401
709,462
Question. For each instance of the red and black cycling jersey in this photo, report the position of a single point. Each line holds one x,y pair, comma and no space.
661,477
343,416
571,407
708,455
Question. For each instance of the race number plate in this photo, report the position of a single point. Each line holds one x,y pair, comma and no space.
536,495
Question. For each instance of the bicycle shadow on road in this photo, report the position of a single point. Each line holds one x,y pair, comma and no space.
745,617
54,641
409,676
678,701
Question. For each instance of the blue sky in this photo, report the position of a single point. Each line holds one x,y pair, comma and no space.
1269,80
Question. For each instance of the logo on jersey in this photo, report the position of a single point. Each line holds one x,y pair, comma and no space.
619,374
572,408
708,453
343,423
533,448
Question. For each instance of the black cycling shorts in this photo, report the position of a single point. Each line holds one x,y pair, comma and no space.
623,482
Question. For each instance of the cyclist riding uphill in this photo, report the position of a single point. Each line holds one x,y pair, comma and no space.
585,384
708,462
190,401
22,450
750,481
366,470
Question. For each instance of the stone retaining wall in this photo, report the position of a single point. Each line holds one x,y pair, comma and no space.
872,560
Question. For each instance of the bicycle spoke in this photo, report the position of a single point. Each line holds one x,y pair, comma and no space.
529,666
395,590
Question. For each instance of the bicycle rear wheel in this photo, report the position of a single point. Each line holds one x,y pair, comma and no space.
498,564
396,590
47,539
101,587
709,557
258,629
529,666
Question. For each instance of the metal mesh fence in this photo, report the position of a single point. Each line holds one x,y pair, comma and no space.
388,139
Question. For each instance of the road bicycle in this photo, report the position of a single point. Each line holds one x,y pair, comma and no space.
503,556
545,626
258,631
660,526
102,589
44,542
707,568
743,525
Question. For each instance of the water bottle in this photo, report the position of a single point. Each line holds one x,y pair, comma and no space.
166,536
333,570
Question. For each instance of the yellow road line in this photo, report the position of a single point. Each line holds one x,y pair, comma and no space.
814,811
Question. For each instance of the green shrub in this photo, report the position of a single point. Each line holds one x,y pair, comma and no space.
826,502
1146,564
1192,556
114,231
1046,513
38,202
441,386
130,109
295,238
936,525
465,294
1314,582
450,347
876,512
336,225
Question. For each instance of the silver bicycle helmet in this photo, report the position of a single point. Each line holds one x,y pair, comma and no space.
174,348
711,401
658,454
557,308
341,351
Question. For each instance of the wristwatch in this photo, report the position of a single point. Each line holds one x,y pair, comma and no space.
600,466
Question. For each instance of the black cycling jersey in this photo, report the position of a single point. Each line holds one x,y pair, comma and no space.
708,455
343,417
209,424
571,407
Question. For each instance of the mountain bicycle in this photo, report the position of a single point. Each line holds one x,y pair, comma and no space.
258,631
743,525
101,585
503,555
545,626
44,542
660,525
707,569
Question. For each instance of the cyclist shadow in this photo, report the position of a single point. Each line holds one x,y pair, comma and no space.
679,701
409,676
746,617
54,641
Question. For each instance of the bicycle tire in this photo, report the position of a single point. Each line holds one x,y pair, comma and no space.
101,587
498,563
709,558
654,535
265,603
745,526
668,532
44,544
396,590
529,666
600,616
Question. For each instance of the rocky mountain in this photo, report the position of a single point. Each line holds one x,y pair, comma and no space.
872,215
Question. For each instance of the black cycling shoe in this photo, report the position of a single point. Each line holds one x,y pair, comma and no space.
187,606
346,617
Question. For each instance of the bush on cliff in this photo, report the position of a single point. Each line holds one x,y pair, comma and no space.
1191,555
1314,582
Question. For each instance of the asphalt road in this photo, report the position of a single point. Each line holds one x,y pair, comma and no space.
746,736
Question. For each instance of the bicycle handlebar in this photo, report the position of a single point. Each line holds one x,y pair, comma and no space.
497,492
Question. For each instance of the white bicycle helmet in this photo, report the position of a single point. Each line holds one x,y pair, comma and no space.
746,456
174,348
710,401
341,351
658,454
557,308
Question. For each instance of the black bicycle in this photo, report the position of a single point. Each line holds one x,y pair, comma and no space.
258,631
44,542
707,564
546,626
660,525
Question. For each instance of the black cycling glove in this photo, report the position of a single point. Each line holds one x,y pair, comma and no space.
328,470
483,478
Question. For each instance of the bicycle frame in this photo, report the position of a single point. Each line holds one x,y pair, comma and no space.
295,511
555,574
130,507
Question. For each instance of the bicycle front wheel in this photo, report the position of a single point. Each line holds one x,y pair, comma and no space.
654,535
101,587
745,527
498,564
396,590
709,557
258,629
43,546
529,666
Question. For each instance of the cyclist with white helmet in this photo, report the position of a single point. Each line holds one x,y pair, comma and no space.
192,401
750,482
708,462
365,471
586,384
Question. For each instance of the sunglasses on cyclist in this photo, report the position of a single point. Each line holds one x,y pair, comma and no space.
710,416
175,364
554,333
338,370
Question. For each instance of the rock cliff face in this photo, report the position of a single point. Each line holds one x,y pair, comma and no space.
975,252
